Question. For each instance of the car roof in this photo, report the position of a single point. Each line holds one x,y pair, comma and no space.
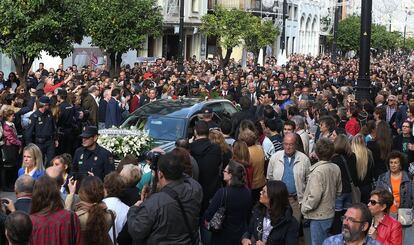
182,108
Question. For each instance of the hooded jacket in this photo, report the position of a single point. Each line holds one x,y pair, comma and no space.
209,160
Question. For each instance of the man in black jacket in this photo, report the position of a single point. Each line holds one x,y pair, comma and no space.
208,157
159,219
247,112
24,189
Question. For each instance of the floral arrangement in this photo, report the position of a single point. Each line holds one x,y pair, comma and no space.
122,142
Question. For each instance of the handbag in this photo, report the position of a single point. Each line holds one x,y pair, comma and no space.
10,155
355,192
72,227
405,216
216,223
113,226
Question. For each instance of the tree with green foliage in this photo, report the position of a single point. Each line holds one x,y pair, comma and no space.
228,26
349,35
234,27
381,39
28,27
117,26
260,34
409,43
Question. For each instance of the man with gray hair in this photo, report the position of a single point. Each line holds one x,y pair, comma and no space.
23,187
300,130
291,167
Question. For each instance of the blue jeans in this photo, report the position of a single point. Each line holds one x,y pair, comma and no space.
319,230
343,202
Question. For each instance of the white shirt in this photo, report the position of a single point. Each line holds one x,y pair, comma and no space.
268,147
96,99
121,211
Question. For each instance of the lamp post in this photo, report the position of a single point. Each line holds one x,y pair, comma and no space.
363,83
283,34
335,32
407,13
180,59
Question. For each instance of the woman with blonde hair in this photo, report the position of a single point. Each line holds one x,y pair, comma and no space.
364,165
131,175
32,162
241,154
217,137
346,161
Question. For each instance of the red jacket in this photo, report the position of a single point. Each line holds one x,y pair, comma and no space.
10,136
352,126
389,231
50,88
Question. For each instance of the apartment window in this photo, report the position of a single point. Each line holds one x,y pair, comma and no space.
195,6
289,13
295,13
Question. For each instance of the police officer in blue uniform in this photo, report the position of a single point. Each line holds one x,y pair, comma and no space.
66,123
41,130
91,157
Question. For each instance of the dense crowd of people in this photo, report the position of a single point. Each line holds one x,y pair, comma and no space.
302,162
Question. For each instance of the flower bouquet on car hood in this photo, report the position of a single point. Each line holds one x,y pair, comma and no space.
122,142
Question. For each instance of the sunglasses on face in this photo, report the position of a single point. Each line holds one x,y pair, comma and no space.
373,202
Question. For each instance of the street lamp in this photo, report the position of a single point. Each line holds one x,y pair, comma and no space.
180,58
335,31
283,34
407,13
363,83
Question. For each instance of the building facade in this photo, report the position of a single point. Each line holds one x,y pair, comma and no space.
302,33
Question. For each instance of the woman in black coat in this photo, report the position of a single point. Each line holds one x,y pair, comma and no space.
380,148
236,199
346,161
272,222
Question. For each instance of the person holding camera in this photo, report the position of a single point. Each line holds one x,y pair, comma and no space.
170,216
91,157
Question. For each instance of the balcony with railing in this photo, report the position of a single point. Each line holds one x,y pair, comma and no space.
254,6
238,4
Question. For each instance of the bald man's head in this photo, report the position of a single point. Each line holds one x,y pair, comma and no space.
289,144
24,185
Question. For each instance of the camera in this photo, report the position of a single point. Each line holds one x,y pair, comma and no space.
153,157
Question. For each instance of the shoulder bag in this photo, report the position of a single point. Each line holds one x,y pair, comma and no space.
173,194
216,223
405,216
355,192
113,225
